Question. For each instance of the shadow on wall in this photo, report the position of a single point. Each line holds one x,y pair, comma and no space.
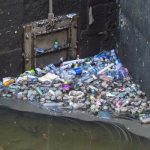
97,26
35,10
38,9
62,7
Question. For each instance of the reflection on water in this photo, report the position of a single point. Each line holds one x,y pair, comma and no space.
22,131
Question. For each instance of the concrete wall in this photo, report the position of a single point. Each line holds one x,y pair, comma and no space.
15,13
97,27
134,43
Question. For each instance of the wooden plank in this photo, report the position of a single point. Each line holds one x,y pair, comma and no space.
29,53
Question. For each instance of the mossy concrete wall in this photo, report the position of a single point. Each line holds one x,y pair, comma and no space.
134,43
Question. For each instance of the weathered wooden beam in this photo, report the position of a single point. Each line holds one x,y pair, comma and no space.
51,14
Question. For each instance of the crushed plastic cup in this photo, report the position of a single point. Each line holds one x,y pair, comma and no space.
48,77
66,87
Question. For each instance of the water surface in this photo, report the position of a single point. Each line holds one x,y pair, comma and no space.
24,131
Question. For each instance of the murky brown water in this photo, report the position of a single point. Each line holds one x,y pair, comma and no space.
22,131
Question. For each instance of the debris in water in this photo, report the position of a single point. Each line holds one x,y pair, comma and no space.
97,85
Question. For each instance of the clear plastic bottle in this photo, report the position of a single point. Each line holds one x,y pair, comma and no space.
113,54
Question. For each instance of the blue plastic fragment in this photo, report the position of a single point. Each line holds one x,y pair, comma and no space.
105,115
1,85
40,50
78,71
102,55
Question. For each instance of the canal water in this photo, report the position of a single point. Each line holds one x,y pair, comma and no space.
24,131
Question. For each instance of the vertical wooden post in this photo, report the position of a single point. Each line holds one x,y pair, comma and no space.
50,14
29,52
50,6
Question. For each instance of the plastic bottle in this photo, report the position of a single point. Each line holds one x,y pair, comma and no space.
9,82
113,54
39,91
64,75
52,68
106,68
78,70
124,72
118,66
85,77
39,72
56,45
40,50
32,79
1,85
101,55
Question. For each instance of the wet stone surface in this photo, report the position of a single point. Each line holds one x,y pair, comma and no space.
95,84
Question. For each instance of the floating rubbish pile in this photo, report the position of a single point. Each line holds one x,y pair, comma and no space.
95,84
